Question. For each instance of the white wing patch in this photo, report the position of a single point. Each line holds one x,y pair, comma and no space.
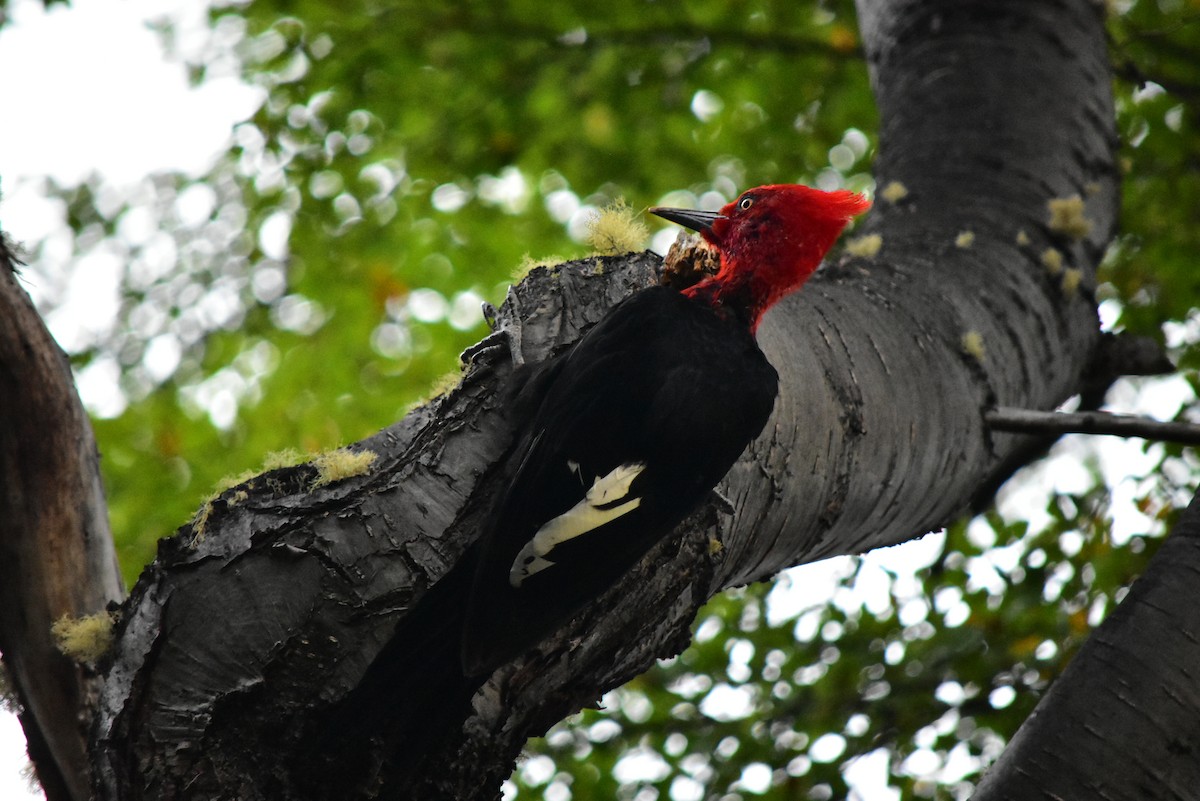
585,516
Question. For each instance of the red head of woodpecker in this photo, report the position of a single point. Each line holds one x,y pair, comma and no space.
771,239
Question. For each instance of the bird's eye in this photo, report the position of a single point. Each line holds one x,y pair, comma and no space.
745,203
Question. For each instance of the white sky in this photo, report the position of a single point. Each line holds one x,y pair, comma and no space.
88,89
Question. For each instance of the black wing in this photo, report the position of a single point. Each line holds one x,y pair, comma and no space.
643,417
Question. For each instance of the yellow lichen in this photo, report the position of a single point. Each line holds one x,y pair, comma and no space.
894,192
340,464
1052,260
223,485
529,264
964,239
83,639
715,546
287,457
1067,216
616,228
866,245
229,482
972,345
200,520
445,383
1022,238
1072,278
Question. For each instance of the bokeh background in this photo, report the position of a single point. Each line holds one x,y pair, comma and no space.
270,224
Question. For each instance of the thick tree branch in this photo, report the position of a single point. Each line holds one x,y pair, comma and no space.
989,111
56,552
1032,421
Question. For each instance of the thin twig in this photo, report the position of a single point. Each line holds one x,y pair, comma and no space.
1029,421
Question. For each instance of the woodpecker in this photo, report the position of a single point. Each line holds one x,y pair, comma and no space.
639,420
631,428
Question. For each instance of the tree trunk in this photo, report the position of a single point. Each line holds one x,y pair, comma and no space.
248,636
238,646
56,551
1122,723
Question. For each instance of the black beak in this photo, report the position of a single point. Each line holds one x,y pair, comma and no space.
689,218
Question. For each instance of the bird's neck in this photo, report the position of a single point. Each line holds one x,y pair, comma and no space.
729,299
746,295
757,273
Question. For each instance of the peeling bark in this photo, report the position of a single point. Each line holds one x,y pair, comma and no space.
234,648
56,551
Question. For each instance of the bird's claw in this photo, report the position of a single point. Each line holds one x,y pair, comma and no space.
506,333
491,315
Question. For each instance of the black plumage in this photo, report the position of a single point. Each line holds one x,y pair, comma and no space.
663,383
663,387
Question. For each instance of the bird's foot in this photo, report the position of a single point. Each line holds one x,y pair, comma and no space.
505,323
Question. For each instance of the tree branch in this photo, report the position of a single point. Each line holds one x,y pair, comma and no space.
252,634
56,551
1033,421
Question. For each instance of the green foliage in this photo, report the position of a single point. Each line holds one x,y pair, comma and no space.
1155,50
409,156
933,674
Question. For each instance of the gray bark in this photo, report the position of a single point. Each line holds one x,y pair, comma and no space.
989,110
56,550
